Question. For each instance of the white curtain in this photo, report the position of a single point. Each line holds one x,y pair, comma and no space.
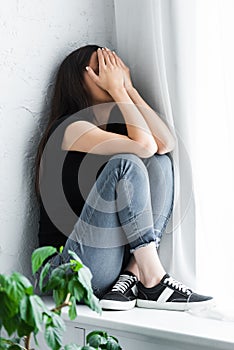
181,55
212,155
145,41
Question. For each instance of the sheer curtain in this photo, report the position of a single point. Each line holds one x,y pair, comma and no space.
181,55
212,155
145,41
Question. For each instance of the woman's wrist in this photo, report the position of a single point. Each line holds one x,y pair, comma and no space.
119,94
130,89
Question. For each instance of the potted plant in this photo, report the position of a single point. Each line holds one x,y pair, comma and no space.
23,313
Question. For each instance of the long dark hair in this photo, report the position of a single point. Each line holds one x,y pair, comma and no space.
69,94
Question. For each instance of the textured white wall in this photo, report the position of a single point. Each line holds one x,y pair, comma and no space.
35,37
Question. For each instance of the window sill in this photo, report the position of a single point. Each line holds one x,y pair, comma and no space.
177,328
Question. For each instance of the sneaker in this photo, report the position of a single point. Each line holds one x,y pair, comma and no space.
122,296
170,294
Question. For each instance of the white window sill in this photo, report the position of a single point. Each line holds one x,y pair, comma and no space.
174,327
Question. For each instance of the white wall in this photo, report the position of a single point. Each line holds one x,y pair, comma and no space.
35,37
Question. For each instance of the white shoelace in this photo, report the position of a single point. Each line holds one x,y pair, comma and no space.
123,283
178,285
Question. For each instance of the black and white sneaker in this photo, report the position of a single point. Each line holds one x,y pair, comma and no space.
170,294
122,296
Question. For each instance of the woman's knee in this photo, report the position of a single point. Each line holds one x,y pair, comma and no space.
122,159
163,161
127,164
126,156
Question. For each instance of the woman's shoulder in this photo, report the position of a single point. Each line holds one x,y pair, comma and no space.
64,121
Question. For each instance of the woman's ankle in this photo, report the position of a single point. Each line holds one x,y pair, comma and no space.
151,281
132,267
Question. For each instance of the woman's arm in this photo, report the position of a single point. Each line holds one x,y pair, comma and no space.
85,137
161,133
110,78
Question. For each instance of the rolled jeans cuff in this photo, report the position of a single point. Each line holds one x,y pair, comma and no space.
143,240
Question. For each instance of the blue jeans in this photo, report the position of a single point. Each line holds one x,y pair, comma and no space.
127,208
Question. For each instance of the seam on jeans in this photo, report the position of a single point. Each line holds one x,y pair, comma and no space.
163,227
134,217
130,208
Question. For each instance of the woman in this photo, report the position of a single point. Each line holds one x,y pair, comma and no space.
128,204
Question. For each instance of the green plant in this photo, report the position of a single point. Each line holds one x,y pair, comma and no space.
23,313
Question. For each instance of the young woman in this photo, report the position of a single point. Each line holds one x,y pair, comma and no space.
125,209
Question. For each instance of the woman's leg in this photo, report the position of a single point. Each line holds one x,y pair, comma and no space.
161,180
117,212
156,289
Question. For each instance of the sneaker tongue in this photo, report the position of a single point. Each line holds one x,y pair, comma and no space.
168,276
129,273
164,277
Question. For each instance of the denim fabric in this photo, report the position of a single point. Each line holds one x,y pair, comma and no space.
128,207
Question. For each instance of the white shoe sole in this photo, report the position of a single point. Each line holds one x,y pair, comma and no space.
117,305
150,304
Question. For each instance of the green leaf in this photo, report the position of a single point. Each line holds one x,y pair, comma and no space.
31,311
24,329
84,277
23,281
26,311
8,307
11,324
14,287
93,302
40,255
112,344
3,343
58,322
53,332
4,282
94,333
61,249
38,308
75,265
14,290
75,256
112,337
75,288
59,296
96,340
43,274
15,347
72,308
53,337
57,279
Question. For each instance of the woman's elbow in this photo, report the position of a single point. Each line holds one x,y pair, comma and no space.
149,149
168,147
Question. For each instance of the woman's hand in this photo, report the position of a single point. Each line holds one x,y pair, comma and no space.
126,72
110,76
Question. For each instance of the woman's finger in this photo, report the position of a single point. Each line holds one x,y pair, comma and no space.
119,61
92,75
106,57
111,56
101,61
